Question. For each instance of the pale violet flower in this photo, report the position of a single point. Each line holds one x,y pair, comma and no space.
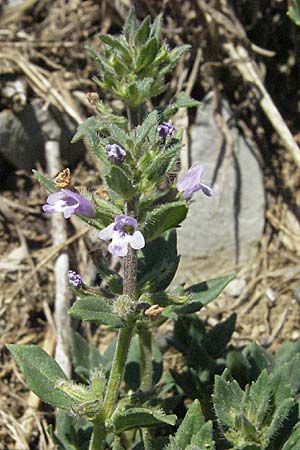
68,202
115,153
122,231
190,182
165,130
74,279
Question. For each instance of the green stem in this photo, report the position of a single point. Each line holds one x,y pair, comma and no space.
124,336
146,368
113,387
99,435
117,370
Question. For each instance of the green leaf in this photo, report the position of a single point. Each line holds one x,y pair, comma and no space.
49,185
248,446
130,25
143,32
239,366
260,396
163,298
117,134
42,373
258,358
105,211
192,422
164,218
156,27
112,278
220,335
180,101
204,437
157,263
85,356
208,290
132,369
286,352
162,163
185,101
126,419
118,182
89,130
279,420
143,130
228,398
294,12
116,44
202,294
71,433
293,441
96,309
147,54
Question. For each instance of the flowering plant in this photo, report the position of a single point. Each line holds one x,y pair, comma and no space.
117,407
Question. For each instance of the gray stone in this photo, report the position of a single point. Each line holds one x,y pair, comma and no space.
223,232
23,135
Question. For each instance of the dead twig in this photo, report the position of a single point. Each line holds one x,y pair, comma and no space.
52,253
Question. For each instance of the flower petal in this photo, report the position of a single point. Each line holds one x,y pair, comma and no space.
84,206
48,209
191,178
137,240
189,192
107,233
119,244
68,211
55,197
209,192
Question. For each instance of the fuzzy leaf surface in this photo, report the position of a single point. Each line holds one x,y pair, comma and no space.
96,309
42,373
191,424
118,182
139,417
85,356
48,184
164,218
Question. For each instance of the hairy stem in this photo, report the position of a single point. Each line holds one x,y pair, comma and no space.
146,358
146,368
117,370
99,435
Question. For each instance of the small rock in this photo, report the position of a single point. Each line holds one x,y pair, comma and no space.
23,135
235,287
223,232
295,335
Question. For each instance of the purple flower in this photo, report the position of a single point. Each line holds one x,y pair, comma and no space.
190,182
115,153
165,130
122,231
68,202
74,278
